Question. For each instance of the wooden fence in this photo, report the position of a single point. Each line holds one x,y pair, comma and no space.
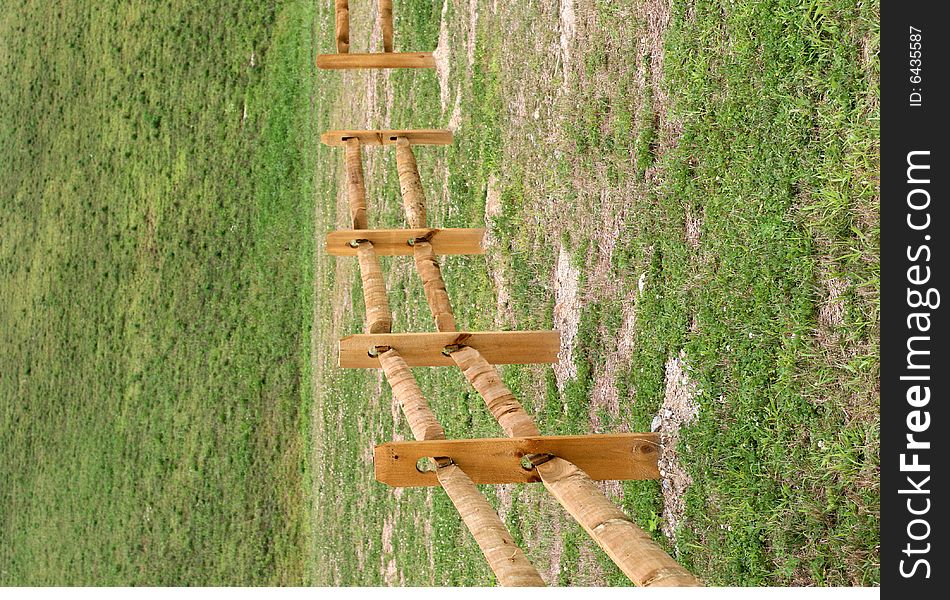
566,465
387,59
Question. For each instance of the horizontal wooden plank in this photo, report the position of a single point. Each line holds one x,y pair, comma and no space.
387,137
377,60
392,242
620,456
425,349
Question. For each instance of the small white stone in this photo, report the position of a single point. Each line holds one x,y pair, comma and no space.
655,425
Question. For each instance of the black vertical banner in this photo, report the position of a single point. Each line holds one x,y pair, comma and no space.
915,432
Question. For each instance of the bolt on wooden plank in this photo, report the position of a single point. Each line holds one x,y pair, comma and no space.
432,349
610,456
399,242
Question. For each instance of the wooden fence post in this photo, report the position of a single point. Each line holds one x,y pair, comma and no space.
378,316
432,283
342,26
500,401
429,349
505,558
631,548
634,551
397,242
377,60
356,190
386,23
387,137
413,196
605,456
421,420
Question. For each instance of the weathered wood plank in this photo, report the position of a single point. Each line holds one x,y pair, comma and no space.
377,60
393,242
620,456
425,349
388,137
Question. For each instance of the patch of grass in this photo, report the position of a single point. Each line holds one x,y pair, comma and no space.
156,275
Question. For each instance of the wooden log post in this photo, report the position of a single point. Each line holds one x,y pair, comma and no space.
413,197
378,316
428,267
355,188
500,401
421,419
386,23
505,558
342,26
631,548
414,203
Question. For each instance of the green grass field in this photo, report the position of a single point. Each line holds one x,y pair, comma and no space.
156,269
695,179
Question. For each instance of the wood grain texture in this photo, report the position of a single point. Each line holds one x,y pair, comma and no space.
422,420
386,23
505,558
388,137
631,548
425,349
355,188
342,26
377,60
619,456
378,316
392,242
498,398
434,286
413,196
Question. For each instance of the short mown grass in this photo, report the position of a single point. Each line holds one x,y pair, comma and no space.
156,260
